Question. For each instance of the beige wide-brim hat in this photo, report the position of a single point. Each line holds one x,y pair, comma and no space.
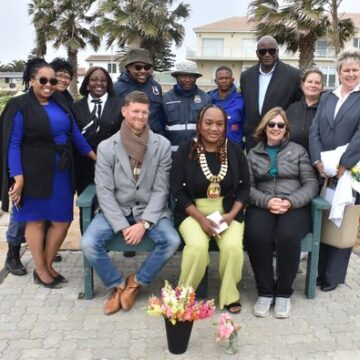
186,67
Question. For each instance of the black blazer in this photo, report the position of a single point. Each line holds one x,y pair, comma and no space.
110,123
182,180
327,132
110,120
283,90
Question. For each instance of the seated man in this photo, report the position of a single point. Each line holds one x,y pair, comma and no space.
132,186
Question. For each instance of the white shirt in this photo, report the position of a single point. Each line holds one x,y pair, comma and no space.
264,81
92,105
342,99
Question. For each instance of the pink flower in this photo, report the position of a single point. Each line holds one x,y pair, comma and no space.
226,327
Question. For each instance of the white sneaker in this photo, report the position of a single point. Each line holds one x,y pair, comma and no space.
282,307
262,306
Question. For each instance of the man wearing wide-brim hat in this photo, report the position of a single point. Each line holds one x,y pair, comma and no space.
137,75
183,103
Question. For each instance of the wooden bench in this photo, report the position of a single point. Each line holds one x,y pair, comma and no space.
311,242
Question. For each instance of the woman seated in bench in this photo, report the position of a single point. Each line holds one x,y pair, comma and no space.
210,174
283,183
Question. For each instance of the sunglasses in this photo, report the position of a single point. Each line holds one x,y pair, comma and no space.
139,67
44,80
262,52
280,125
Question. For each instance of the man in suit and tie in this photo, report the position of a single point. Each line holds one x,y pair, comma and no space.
267,84
132,186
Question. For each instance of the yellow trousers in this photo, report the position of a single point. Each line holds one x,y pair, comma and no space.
195,256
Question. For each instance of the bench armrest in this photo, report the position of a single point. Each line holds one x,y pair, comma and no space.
87,197
320,203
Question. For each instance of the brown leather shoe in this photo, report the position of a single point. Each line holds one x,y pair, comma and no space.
113,303
130,293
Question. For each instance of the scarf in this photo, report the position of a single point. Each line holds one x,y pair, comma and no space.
135,147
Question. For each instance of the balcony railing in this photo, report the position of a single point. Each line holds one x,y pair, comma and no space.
328,52
227,53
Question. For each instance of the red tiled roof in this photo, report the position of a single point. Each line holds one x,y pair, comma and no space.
241,23
102,57
235,23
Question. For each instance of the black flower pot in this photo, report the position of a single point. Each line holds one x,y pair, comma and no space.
178,335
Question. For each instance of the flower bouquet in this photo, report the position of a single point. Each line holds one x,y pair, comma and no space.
355,177
179,308
227,331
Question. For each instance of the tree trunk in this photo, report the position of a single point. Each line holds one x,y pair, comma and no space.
334,24
307,50
72,58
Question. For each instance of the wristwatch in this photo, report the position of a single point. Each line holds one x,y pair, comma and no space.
145,224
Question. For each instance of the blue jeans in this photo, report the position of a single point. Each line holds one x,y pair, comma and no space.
15,233
99,232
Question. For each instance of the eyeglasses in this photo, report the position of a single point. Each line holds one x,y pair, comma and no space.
101,80
262,52
63,76
139,67
279,125
44,80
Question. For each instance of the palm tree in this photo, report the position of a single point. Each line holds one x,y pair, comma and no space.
297,24
140,23
74,29
342,30
42,12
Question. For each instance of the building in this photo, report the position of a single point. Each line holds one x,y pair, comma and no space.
108,62
11,80
232,42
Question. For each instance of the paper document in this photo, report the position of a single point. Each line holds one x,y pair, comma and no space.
216,217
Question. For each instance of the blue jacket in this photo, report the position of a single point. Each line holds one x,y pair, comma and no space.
233,105
181,115
126,84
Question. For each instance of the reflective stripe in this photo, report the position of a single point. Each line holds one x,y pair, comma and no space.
173,102
180,127
174,148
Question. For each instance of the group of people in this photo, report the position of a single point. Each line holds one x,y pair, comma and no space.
145,150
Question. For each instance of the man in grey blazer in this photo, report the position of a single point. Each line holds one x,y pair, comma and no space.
267,84
132,186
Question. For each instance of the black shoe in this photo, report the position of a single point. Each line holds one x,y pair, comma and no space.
52,285
129,253
13,263
57,257
60,279
318,282
328,287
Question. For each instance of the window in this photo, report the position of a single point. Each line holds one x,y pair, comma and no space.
323,49
111,67
329,76
356,43
213,47
249,48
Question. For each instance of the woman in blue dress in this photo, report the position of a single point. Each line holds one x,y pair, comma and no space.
38,137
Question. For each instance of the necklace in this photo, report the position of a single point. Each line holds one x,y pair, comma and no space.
213,190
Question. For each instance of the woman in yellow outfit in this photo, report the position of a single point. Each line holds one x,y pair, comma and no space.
209,174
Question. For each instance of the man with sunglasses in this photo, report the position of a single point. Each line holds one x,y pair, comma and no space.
268,84
137,75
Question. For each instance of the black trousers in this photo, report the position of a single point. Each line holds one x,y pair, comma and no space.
266,232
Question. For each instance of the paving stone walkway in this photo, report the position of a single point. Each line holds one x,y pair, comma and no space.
38,323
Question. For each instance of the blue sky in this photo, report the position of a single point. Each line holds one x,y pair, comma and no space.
17,33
